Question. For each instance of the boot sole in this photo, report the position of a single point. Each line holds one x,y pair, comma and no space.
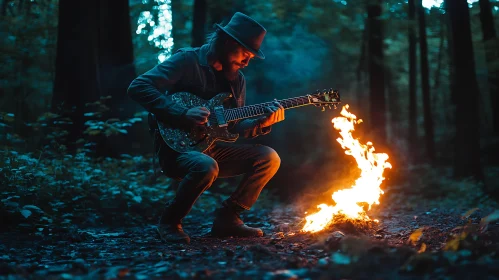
221,233
173,240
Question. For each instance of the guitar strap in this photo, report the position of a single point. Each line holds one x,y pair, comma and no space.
233,99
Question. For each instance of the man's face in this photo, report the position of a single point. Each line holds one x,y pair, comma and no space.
234,60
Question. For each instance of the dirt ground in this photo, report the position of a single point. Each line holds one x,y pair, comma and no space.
409,242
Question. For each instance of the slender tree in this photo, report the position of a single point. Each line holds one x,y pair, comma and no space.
376,70
199,23
181,19
220,11
412,79
94,59
465,88
436,85
425,83
393,104
491,44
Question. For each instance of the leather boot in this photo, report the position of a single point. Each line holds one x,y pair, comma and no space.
228,223
170,227
173,233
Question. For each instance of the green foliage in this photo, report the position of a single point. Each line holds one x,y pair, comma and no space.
96,124
48,187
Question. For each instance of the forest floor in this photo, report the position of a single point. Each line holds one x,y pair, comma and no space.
74,229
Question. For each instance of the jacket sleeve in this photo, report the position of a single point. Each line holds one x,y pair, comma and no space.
248,128
149,89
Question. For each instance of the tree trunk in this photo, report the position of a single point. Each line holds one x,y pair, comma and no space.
94,59
376,72
491,45
465,88
438,71
181,18
220,11
425,82
361,68
393,106
413,129
199,23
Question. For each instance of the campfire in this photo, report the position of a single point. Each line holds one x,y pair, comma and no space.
366,189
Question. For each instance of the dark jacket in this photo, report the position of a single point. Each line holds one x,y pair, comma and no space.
187,70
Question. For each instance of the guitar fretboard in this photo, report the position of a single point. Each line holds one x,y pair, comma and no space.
250,111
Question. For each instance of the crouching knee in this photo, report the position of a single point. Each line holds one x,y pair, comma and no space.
206,167
271,157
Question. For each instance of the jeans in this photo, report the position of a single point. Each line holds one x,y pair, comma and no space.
198,171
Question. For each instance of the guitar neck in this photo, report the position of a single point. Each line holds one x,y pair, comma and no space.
251,111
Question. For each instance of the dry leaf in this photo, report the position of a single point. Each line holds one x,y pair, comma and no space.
489,219
416,235
422,249
123,272
469,213
453,244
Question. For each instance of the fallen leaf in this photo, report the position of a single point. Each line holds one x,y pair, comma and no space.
469,213
453,244
490,218
26,213
339,258
123,272
416,235
422,249
32,207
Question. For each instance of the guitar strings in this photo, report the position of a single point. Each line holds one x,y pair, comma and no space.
239,113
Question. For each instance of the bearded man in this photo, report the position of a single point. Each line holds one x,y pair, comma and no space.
206,71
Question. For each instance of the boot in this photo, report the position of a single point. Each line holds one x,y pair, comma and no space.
170,227
173,233
228,223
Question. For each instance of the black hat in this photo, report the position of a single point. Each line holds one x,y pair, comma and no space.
247,31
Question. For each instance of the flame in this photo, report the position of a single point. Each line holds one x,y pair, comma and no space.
366,188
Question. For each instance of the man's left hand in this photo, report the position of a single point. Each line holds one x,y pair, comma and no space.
276,114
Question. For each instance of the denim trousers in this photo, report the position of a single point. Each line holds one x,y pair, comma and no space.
197,171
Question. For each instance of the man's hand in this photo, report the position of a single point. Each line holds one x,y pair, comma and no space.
197,115
276,115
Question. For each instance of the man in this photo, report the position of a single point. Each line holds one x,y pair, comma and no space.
205,72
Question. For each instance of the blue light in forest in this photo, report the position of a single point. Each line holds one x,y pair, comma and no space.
437,3
160,32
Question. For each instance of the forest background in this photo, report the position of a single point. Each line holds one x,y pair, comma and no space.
68,127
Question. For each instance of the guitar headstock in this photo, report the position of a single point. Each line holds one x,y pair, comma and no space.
325,97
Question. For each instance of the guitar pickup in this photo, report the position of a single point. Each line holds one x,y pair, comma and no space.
219,115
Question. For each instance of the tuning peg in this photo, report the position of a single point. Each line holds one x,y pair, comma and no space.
335,106
329,107
323,109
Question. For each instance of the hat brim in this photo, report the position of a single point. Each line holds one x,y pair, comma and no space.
257,53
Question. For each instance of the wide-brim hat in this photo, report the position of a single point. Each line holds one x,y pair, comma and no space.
247,32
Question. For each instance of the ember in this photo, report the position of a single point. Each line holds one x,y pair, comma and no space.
366,188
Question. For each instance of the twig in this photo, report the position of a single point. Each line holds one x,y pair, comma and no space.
38,161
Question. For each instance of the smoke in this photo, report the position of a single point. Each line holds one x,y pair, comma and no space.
293,61
301,56
296,63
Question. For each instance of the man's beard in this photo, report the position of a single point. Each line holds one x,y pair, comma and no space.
229,73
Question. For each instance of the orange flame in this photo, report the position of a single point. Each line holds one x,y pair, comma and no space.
366,188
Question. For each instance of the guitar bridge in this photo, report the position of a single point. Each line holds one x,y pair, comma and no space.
219,115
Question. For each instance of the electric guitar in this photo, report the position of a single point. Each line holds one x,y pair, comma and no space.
201,137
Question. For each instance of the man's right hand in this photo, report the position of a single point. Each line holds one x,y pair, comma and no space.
197,115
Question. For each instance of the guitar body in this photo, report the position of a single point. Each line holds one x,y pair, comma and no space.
200,137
